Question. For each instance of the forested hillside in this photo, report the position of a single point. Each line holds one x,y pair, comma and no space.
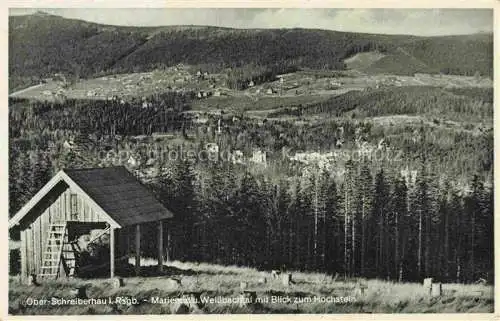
41,45
453,104
365,217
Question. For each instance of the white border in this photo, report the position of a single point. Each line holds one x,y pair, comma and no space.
238,4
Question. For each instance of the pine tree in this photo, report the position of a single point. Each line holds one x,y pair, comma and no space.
399,221
486,243
304,226
319,198
477,211
380,220
19,169
364,202
250,221
177,192
458,237
348,190
333,232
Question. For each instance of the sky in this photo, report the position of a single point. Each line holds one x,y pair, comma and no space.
423,22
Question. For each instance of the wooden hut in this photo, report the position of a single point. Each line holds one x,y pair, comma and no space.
76,201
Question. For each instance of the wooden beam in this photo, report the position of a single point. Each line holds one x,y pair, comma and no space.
168,243
137,249
121,242
24,270
109,229
34,248
112,252
160,246
29,250
128,233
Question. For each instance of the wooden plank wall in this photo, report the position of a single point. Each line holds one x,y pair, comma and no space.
36,234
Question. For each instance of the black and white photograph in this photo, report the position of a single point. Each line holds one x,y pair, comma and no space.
250,161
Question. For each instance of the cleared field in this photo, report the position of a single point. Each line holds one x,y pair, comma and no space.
299,87
308,293
242,103
311,82
363,60
123,85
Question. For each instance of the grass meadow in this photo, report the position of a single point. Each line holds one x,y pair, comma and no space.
308,293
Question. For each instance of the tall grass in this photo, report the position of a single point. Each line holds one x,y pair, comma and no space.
215,280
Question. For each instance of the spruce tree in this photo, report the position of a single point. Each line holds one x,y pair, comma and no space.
380,221
399,227
364,208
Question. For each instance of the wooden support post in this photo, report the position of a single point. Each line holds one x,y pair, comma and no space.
137,249
160,246
168,243
112,252
35,264
119,243
24,270
127,232
29,252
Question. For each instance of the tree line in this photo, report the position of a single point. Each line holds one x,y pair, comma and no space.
455,104
375,224
128,116
371,222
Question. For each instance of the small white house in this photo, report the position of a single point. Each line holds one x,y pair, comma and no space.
69,144
237,157
212,148
133,162
259,157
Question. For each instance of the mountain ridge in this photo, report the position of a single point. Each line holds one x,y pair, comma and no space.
46,14
41,45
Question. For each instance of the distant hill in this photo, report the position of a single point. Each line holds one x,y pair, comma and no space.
42,44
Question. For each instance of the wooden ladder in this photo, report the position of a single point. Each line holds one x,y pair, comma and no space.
58,250
70,255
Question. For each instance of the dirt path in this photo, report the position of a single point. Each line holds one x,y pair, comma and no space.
25,90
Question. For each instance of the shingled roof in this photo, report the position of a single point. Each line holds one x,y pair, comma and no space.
118,193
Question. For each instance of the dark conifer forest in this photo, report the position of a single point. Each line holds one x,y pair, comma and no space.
373,221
